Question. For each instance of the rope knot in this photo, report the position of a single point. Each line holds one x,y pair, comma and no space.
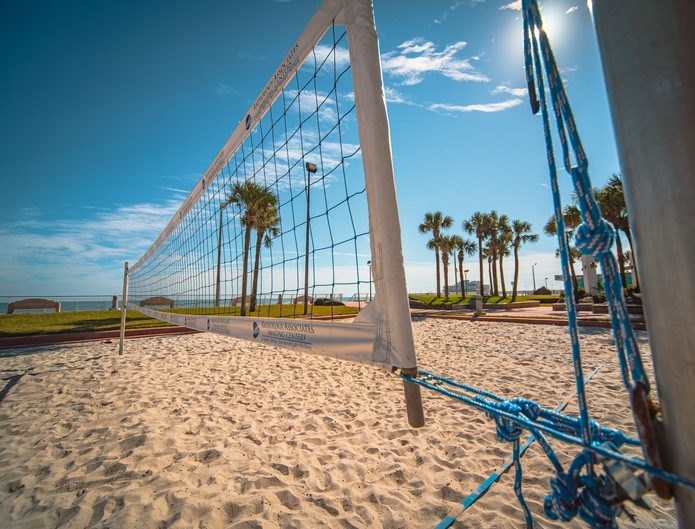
507,430
561,503
597,242
531,409
595,506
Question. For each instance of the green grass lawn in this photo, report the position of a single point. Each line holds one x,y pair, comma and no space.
457,299
110,320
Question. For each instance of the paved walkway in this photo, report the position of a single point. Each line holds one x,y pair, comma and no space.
537,315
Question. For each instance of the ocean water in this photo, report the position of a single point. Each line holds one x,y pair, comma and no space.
67,303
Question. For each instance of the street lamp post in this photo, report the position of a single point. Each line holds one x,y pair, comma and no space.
546,282
533,272
219,256
465,282
369,264
310,169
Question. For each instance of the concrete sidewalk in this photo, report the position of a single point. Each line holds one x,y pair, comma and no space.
536,315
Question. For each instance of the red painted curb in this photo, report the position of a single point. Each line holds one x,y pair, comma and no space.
73,337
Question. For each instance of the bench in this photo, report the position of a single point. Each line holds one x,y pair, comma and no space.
157,301
33,303
300,299
237,300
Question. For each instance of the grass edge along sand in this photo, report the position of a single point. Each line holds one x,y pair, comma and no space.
27,324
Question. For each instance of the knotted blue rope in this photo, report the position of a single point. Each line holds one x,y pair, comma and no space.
587,496
594,237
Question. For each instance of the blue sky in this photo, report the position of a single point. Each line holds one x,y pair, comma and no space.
111,112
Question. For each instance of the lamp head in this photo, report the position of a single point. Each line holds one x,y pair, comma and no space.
311,168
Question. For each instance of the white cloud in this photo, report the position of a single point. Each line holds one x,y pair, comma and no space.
340,55
571,10
224,89
416,57
515,6
51,254
486,107
393,96
517,92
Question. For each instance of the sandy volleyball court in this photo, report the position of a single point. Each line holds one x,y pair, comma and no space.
211,432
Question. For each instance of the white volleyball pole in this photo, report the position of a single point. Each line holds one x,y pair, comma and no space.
648,54
124,299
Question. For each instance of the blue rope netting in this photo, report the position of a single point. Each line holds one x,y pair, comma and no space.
579,491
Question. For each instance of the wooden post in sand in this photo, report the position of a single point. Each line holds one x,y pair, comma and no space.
648,54
123,309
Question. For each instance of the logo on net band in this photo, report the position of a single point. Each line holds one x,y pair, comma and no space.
248,121
256,330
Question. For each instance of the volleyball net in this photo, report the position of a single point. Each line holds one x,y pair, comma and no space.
296,218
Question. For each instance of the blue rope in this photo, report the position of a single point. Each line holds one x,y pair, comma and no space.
589,494
579,491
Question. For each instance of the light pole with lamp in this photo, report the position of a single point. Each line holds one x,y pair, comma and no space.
369,264
219,256
310,169
546,283
465,282
533,272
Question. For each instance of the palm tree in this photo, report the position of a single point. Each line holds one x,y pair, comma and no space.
464,247
611,200
504,243
447,245
434,222
572,219
520,235
478,225
266,224
456,241
493,233
250,198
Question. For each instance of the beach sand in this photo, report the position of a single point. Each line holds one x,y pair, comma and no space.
205,431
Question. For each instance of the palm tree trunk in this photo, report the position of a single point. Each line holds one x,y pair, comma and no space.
575,283
456,287
493,281
439,285
516,273
635,275
482,269
504,288
463,284
445,264
244,277
621,258
256,266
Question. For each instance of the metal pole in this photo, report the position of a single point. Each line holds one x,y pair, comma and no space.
310,168
124,299
219,257
648,53
533,272
369,264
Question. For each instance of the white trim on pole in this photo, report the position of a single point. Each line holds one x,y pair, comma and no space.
648,53
124,300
